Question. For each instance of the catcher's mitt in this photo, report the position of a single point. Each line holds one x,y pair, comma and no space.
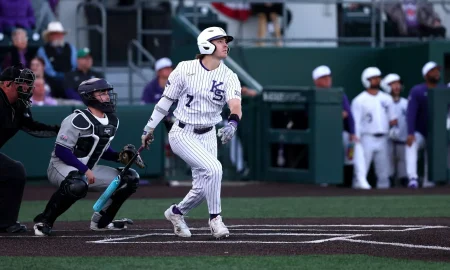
127,154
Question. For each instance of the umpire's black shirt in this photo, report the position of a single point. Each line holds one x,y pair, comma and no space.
14,117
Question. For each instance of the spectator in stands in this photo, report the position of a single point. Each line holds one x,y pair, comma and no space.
415,18
59,56
82,73
38,66
16,13
19,52
153,90
44,12
54,5
39,97
268,12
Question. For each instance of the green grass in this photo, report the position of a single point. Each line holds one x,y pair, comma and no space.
318,262
368,206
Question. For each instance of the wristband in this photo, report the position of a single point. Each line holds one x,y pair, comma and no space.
234,117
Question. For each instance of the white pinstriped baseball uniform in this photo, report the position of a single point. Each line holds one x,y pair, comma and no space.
372,114
201,95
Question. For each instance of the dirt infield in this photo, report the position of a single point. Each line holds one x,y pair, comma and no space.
424,239
408,238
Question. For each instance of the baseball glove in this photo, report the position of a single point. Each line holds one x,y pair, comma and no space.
127,154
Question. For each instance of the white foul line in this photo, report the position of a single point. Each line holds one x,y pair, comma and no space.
202,242
341,225
395,244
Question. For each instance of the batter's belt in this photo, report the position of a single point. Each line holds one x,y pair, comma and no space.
196,130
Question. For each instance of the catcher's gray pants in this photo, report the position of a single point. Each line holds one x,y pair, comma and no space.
104,175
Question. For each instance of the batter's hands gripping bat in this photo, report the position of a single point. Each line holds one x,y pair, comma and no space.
98,206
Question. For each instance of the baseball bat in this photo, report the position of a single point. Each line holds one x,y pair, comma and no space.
98,206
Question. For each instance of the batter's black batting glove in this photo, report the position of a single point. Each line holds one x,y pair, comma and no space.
127,154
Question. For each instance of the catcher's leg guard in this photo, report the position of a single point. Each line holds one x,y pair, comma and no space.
129,185
73,188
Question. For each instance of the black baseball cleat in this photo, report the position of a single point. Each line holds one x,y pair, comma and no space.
16,228
116,225
42,229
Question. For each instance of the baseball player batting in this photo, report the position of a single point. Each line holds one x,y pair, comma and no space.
392,85
84,138
202,87
374,115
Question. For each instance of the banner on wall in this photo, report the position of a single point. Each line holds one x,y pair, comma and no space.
236,11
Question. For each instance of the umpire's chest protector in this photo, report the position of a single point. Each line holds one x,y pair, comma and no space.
95,137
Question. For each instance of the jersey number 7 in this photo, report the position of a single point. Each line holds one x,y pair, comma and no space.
188,104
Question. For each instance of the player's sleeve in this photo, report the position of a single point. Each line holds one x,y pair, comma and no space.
350,122
233,88
411,112
175,83
68,134
37,129
357,115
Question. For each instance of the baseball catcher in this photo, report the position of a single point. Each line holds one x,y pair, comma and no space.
84,138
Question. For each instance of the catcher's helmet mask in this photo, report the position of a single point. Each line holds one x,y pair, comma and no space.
87,91
24,79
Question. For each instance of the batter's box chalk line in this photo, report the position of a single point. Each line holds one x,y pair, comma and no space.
330,237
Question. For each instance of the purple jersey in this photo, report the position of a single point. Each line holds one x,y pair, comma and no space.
417,111
152,92
349,122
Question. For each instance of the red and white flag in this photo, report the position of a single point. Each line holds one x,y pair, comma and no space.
236,11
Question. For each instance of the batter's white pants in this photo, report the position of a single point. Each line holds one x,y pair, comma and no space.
199,151
377,149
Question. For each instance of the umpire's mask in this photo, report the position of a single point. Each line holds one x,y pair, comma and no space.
25,83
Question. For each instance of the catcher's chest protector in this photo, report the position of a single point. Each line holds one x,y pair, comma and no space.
89,148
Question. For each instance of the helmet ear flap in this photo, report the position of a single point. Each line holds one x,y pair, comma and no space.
206,47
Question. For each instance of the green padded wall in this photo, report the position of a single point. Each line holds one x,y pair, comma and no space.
35,153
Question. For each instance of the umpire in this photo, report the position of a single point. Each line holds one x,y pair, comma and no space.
16,89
